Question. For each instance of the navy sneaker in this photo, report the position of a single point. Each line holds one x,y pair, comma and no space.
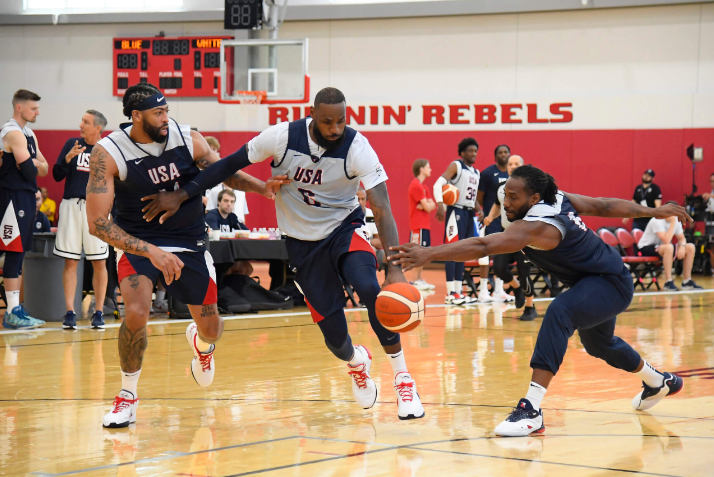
523,421
670,286
98,320
69,322
690,285
650,396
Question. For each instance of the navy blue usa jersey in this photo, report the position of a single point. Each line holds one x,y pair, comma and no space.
76,171
146,169
581,253
10,177
491,178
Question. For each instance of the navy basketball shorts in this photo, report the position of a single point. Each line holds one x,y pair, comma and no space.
17,211
459,224
316,264
197,285
421,237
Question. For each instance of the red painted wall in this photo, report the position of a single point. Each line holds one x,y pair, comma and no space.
598,163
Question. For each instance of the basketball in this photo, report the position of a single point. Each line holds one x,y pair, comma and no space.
450,194
400,307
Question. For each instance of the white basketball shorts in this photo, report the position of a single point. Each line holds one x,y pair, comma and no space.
73,233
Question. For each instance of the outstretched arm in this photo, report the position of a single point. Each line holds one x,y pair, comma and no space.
386,227
100,197
516,237
204,157
608,207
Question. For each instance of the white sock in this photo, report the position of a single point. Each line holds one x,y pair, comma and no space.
160,295
399,364
484,286
202,346
449,288
651,376
535,394
13,299
498,285
358,357
457,286
129,381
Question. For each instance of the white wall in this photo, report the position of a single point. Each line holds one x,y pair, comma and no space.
621,68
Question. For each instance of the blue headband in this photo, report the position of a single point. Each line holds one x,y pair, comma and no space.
151,102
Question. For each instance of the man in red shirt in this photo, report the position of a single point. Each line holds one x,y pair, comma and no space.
420,204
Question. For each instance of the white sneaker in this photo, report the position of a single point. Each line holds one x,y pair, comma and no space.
203,366
454,298
650,396
470,300
363,387
523,421
123,411
423,285
484,296
407,397
502,296
160,306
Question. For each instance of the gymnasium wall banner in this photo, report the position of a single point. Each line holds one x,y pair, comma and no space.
440,114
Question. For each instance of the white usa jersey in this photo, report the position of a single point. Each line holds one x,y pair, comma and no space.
324,183
466,180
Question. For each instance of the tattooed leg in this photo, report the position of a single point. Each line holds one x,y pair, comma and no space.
208,321
136,291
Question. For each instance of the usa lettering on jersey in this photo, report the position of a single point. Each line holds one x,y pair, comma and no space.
162,174
83,162
578,221
308,176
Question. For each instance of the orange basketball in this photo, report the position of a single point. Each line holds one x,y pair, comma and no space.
450,194
400,307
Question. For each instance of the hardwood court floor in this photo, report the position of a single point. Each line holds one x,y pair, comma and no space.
281,405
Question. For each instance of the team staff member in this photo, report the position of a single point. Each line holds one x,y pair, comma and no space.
22,162
42,223
73,230
656,241
491,178
420,204
646,194
223,218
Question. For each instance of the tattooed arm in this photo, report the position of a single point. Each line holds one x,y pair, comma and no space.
100,197
386,227
204,157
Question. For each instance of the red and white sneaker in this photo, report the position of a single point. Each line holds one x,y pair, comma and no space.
407,397
203,367
123,411
363,386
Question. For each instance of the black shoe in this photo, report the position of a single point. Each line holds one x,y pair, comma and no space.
690,285
529,314
231,301
98,320
70,321
520,296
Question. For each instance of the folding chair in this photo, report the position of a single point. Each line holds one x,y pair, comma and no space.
640,267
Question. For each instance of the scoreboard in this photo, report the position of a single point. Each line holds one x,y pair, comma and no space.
182,66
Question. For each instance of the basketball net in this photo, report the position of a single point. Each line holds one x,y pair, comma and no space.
250,97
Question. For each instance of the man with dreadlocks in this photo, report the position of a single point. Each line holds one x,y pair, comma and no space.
328,242
150,154
546,225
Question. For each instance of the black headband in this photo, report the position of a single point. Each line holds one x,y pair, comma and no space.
151,102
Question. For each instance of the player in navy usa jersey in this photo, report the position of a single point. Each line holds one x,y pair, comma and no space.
22,162
150,154
328,241
546,225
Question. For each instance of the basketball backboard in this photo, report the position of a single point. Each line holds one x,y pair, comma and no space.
278,67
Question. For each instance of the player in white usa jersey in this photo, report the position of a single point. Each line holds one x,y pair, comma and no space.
459,219
327,243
